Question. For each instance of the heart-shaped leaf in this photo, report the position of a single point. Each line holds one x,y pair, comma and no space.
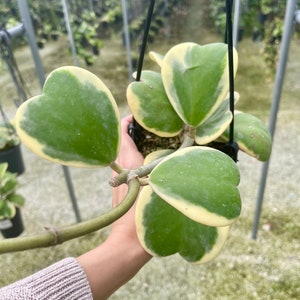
163,230
157,155
196,79
75,121
156,57
251,135
150,106
201,183
216,124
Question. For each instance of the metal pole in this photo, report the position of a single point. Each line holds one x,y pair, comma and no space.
127,39
297,16
236,22
70,33
91,7
16,31
26,19
166,18
284,50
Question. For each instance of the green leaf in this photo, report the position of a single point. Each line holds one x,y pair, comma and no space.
8,184
216,124
196,79
150,106
3,168
157,155
7,210
251,135
17,199
74,122
156,57
163,230
201,183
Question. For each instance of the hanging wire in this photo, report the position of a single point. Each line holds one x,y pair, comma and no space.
231,147
134,128
144,41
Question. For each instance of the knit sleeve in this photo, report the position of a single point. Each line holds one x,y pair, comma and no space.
62,280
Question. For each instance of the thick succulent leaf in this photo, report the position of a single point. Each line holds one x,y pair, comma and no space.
157,155
251,135
75,121
16,199
196,79
156,57
200,182
216,124
3,168
7,210
150,106
163,230
8,184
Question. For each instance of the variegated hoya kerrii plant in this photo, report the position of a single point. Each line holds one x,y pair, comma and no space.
190,196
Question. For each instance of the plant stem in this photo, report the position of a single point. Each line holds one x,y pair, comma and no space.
54,236
189,138
115,167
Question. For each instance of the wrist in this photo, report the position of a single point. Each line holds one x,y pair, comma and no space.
112,264
129,245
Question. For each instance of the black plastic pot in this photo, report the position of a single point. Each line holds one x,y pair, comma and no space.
13,156
11,228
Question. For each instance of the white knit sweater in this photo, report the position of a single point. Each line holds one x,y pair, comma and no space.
62,280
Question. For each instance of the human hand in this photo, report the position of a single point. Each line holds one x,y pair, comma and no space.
121,256
129,158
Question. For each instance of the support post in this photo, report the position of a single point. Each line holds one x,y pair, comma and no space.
236,22
70,33
127,39
284,50
26,19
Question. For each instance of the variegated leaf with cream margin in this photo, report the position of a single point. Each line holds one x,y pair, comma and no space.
196,80
157,155
156,57
150,106
163,230
75,121
216,124
251,135
201,183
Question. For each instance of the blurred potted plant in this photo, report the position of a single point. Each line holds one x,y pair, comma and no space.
10,145
11,224
10,148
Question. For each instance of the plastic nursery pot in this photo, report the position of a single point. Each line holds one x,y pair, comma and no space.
13,156
11,228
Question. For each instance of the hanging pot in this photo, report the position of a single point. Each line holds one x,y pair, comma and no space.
13,156
11,228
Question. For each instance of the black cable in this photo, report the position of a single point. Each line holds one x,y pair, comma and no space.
144,41
135,130
232,146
